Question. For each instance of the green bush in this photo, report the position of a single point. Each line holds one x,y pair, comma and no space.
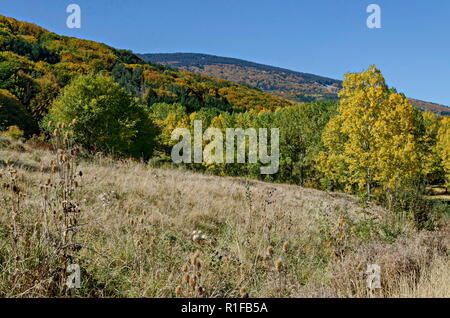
107,118
14,132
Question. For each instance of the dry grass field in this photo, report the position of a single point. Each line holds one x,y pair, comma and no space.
133,230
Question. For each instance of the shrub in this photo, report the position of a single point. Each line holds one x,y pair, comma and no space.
107,118
13,113
14,132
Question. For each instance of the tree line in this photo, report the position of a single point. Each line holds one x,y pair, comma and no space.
371,142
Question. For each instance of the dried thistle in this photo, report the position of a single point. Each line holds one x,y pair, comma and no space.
186,278
269,251
243,292
200,290
193,281
285,247
279,265
178,290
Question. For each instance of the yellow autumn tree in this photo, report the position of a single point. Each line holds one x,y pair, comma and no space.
371,143
444,146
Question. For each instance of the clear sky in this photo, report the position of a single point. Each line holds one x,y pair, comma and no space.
323,37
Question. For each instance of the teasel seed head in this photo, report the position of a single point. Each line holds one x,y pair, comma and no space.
15,189
186,278
178,290
243,292
285,247
279,265
193,281
270,251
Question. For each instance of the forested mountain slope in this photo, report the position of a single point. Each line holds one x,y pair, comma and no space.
296,86
36,64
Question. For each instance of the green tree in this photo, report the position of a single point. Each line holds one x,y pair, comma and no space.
107,117
301,129
167,117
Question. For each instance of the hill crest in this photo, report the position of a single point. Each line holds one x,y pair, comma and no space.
285,83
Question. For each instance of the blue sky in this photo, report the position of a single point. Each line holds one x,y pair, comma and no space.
323,37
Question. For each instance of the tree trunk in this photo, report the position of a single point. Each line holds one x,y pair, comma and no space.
369,190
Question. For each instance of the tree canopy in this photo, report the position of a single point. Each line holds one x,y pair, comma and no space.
107,117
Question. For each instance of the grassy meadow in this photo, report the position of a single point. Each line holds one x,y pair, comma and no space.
134,231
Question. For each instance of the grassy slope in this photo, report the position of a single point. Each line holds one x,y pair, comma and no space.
137,234
288,84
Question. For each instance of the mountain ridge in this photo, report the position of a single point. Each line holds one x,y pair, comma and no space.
282,82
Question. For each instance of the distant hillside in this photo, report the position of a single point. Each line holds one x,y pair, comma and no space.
285,83
296,86
432,107
35,64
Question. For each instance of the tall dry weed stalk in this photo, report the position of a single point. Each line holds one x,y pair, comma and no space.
41,242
